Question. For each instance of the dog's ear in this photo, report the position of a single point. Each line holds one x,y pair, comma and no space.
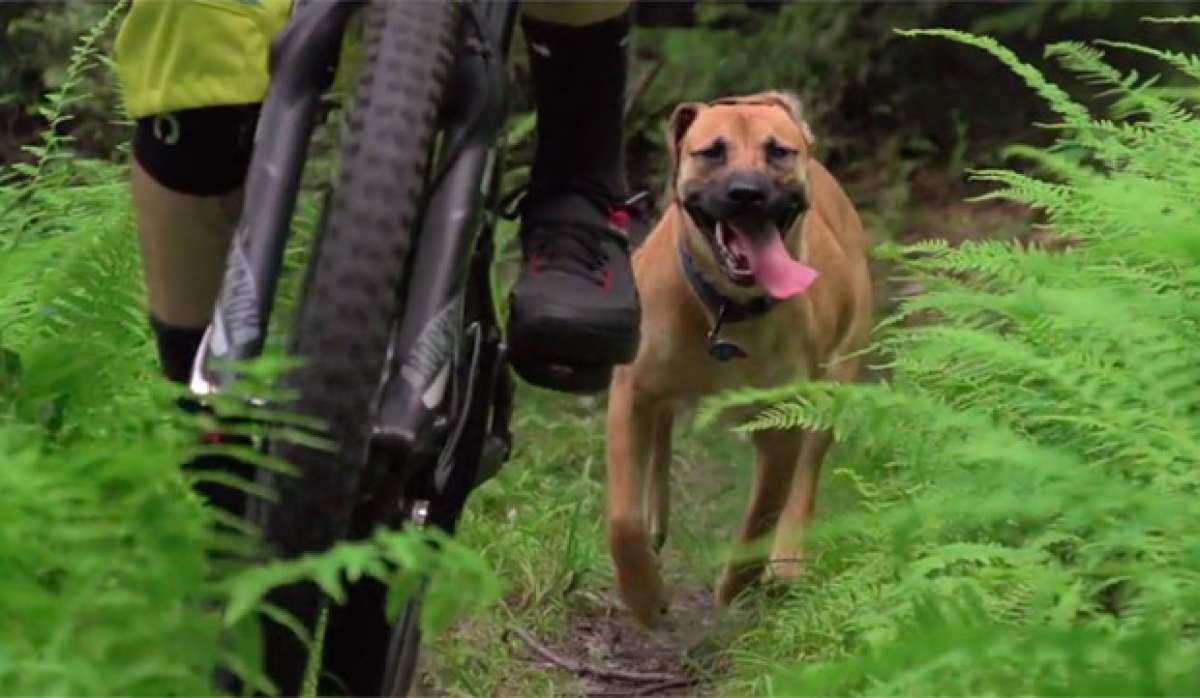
681,121
791,104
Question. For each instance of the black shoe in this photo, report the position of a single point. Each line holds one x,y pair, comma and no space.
574,310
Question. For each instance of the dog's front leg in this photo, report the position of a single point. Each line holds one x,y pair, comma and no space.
631,423
658,483
778,451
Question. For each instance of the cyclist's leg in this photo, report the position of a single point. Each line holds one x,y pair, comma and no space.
187,176
191,81
184,234
578,57
574,302
192,74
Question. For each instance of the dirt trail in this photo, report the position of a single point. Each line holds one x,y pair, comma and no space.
606,650
610,656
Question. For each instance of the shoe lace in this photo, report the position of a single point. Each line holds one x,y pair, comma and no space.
575,246
571,246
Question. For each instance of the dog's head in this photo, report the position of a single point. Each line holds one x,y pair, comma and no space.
739,170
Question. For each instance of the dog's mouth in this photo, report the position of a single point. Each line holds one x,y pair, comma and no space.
732,252
753,253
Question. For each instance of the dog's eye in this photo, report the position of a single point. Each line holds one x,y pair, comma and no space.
716,151
778,153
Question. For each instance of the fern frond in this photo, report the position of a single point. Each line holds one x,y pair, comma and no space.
1187,64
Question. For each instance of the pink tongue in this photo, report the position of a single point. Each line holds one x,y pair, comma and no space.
780,275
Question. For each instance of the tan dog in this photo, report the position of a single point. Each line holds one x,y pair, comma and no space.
759,227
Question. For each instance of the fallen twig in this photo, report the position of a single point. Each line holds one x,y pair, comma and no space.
677,683
581,669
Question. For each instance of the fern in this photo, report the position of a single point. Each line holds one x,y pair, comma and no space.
51,152
1192,19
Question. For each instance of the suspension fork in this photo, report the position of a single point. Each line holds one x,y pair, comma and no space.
431,406
304,60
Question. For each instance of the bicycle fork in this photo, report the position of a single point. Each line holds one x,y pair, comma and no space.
442,412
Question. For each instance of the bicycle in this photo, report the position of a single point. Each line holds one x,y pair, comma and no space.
403,356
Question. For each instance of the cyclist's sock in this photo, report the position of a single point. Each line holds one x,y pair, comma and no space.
579,76
176,348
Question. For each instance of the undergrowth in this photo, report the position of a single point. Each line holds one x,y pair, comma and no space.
1028,519
108,585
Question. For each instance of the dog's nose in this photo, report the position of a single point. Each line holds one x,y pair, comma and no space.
746,191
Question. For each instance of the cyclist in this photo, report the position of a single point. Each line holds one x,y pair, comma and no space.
194,73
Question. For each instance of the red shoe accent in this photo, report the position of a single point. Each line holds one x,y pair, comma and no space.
619,219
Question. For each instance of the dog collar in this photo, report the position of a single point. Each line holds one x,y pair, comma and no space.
723,308
729,309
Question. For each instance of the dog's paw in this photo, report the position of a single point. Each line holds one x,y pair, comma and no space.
644,594
660,540
727,591
735,580
651,611
786,568
638,579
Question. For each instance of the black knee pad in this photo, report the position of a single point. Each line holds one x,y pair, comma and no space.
204,152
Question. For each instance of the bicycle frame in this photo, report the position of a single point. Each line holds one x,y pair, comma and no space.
443,406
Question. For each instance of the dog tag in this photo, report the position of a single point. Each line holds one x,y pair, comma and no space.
723,349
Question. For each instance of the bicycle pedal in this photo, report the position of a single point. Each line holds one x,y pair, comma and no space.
570,378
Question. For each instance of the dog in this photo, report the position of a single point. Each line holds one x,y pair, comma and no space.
755,276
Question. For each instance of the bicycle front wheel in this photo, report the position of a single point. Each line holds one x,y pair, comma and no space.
352,295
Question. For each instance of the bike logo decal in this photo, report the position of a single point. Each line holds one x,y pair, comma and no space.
430,355
239,321
218,344
437,389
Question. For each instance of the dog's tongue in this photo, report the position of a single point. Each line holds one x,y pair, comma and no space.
780,276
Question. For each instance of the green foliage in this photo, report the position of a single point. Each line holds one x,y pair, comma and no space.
55,111
36,40
539,525
109,583
1027,475
103,545
1032,17
404,561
